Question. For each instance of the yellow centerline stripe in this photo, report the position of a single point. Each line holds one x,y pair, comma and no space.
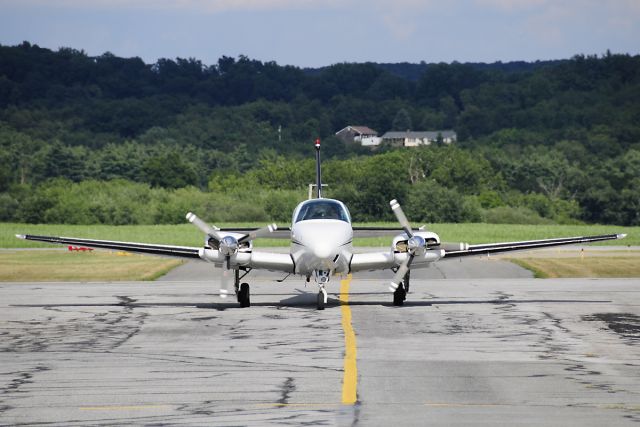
350,376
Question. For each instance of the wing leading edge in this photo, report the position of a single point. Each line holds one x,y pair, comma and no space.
490,248
145,248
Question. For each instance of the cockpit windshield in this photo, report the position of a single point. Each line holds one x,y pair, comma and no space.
323,209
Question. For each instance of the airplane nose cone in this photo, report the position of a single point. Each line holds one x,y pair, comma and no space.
322,251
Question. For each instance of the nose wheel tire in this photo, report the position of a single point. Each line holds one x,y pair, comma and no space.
244,295
399,295
322,295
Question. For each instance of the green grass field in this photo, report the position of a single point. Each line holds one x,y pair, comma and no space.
62,266
618,266
187,235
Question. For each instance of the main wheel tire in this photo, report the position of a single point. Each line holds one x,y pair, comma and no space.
399,295
244,295
320,300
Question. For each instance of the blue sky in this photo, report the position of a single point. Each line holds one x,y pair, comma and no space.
323,32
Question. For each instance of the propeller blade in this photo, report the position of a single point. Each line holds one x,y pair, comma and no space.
260,232
203,226
402,218
226,277
399,276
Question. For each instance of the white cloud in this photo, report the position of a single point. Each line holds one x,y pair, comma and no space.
563,24
401,18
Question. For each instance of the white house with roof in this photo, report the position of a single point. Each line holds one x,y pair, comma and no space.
360,134
414,139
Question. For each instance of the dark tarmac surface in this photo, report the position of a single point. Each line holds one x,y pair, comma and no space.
487,345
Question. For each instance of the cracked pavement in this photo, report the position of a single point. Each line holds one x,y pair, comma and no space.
465,350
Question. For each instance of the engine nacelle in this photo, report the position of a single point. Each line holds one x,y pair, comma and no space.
401,241
211,243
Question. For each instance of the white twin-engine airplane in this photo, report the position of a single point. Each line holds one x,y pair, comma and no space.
321,247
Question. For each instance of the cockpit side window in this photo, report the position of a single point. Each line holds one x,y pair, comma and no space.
322,209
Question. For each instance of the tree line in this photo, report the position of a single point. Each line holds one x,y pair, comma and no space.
82,138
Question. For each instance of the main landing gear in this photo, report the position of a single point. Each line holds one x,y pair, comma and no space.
243,295
400,294
242,289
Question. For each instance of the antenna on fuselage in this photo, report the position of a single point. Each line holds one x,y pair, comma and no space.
318,171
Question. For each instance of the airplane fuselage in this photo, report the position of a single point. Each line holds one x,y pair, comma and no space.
321,238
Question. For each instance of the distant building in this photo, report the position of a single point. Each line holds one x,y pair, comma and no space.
360,134
414,139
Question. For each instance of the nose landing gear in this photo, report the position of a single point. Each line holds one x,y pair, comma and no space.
322,297
322,278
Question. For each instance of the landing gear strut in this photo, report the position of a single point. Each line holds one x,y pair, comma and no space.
406,281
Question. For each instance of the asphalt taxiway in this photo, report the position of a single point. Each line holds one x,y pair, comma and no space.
478,342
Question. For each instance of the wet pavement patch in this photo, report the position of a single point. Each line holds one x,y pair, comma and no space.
626,325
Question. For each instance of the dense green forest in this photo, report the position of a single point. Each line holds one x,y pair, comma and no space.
113,140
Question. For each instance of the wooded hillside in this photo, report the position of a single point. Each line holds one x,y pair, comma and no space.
114,140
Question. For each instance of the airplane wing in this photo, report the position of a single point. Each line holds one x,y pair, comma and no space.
381,260
145,248
371,261
254,259
489,248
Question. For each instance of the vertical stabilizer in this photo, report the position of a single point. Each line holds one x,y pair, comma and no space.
318,171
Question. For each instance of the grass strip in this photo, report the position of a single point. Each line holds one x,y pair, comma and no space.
593,267
62,266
